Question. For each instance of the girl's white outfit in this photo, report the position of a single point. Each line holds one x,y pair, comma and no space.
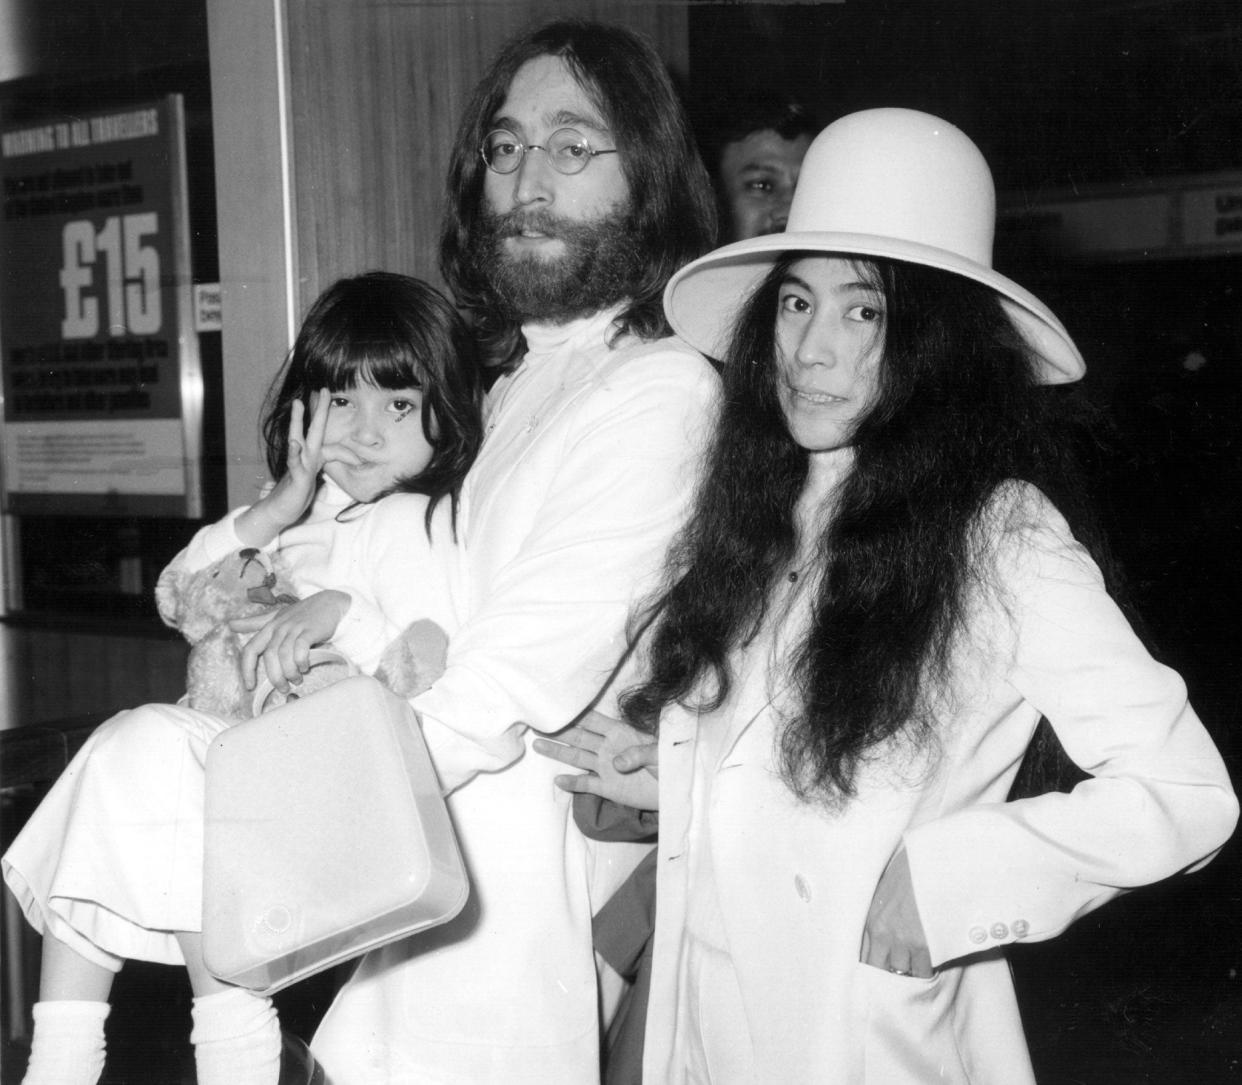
111,860
763,899
586,471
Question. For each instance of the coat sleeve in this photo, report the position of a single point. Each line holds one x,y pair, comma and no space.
538,649
1158,800
396,575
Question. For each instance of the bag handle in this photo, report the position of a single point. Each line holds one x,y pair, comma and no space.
267,697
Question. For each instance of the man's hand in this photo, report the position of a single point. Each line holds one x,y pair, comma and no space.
283,638
618,762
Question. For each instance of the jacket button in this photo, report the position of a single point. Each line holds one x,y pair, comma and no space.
999,931
804,890
1021,928
978,935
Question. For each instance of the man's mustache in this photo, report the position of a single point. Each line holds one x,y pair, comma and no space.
513,223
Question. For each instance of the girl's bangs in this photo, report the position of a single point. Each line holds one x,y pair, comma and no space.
383,365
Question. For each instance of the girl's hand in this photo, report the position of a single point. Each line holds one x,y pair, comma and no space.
893,938
283,638
289,499
293,494
618,762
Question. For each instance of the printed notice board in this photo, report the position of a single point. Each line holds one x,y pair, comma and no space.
102,383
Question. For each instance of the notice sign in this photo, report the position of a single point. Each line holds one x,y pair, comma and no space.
102,386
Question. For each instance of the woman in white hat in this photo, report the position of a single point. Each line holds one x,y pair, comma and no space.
885,583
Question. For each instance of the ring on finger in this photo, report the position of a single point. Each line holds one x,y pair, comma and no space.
898,971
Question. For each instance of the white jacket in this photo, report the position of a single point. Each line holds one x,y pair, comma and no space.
795,881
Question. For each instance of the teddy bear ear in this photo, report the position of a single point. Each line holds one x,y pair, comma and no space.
170,595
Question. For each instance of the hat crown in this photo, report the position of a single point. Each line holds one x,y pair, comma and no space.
901,174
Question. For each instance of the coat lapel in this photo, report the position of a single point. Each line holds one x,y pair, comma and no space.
760,669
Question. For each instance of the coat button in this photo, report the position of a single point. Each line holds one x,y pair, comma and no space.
804,890
999,931
1021,928
978,935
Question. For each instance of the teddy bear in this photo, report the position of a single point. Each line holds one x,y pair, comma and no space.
201,604
247,582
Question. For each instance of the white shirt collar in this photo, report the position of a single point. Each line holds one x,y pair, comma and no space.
544,339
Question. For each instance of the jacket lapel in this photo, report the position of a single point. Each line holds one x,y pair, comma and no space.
754,697
761,667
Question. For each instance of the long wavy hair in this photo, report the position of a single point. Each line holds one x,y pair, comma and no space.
957,412
672,213
393,332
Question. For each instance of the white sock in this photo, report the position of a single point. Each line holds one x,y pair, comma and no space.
236,1039
67,1047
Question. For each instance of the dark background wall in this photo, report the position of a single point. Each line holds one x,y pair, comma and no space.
1055,92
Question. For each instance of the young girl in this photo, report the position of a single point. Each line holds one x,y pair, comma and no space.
362,512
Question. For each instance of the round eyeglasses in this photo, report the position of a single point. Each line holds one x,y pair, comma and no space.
567,149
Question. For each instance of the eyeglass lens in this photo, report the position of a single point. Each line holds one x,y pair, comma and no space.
567,149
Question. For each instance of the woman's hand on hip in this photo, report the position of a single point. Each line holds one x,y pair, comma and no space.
893,938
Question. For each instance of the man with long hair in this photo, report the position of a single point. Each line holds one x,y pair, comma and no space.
653,212
574,193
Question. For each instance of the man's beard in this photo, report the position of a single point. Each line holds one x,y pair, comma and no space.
599,267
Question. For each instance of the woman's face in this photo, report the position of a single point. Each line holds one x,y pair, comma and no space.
829,342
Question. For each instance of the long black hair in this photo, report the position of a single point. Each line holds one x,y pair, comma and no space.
393,332
672,214
956,414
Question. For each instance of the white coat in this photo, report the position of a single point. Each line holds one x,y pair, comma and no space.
112,859
586,471
794,881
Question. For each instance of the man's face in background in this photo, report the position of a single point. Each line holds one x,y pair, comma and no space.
757,177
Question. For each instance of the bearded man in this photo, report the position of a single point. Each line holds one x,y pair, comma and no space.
575,192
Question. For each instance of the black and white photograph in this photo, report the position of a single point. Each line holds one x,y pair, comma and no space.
664,542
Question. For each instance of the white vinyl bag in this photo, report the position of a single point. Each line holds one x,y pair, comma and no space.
325,836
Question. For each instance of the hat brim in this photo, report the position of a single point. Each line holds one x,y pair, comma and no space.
704,298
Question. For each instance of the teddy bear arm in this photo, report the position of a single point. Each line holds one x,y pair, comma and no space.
415,659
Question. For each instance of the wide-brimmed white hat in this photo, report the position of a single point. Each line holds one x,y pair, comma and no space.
892,183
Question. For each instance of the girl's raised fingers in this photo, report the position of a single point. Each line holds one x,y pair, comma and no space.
297,429
321,401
